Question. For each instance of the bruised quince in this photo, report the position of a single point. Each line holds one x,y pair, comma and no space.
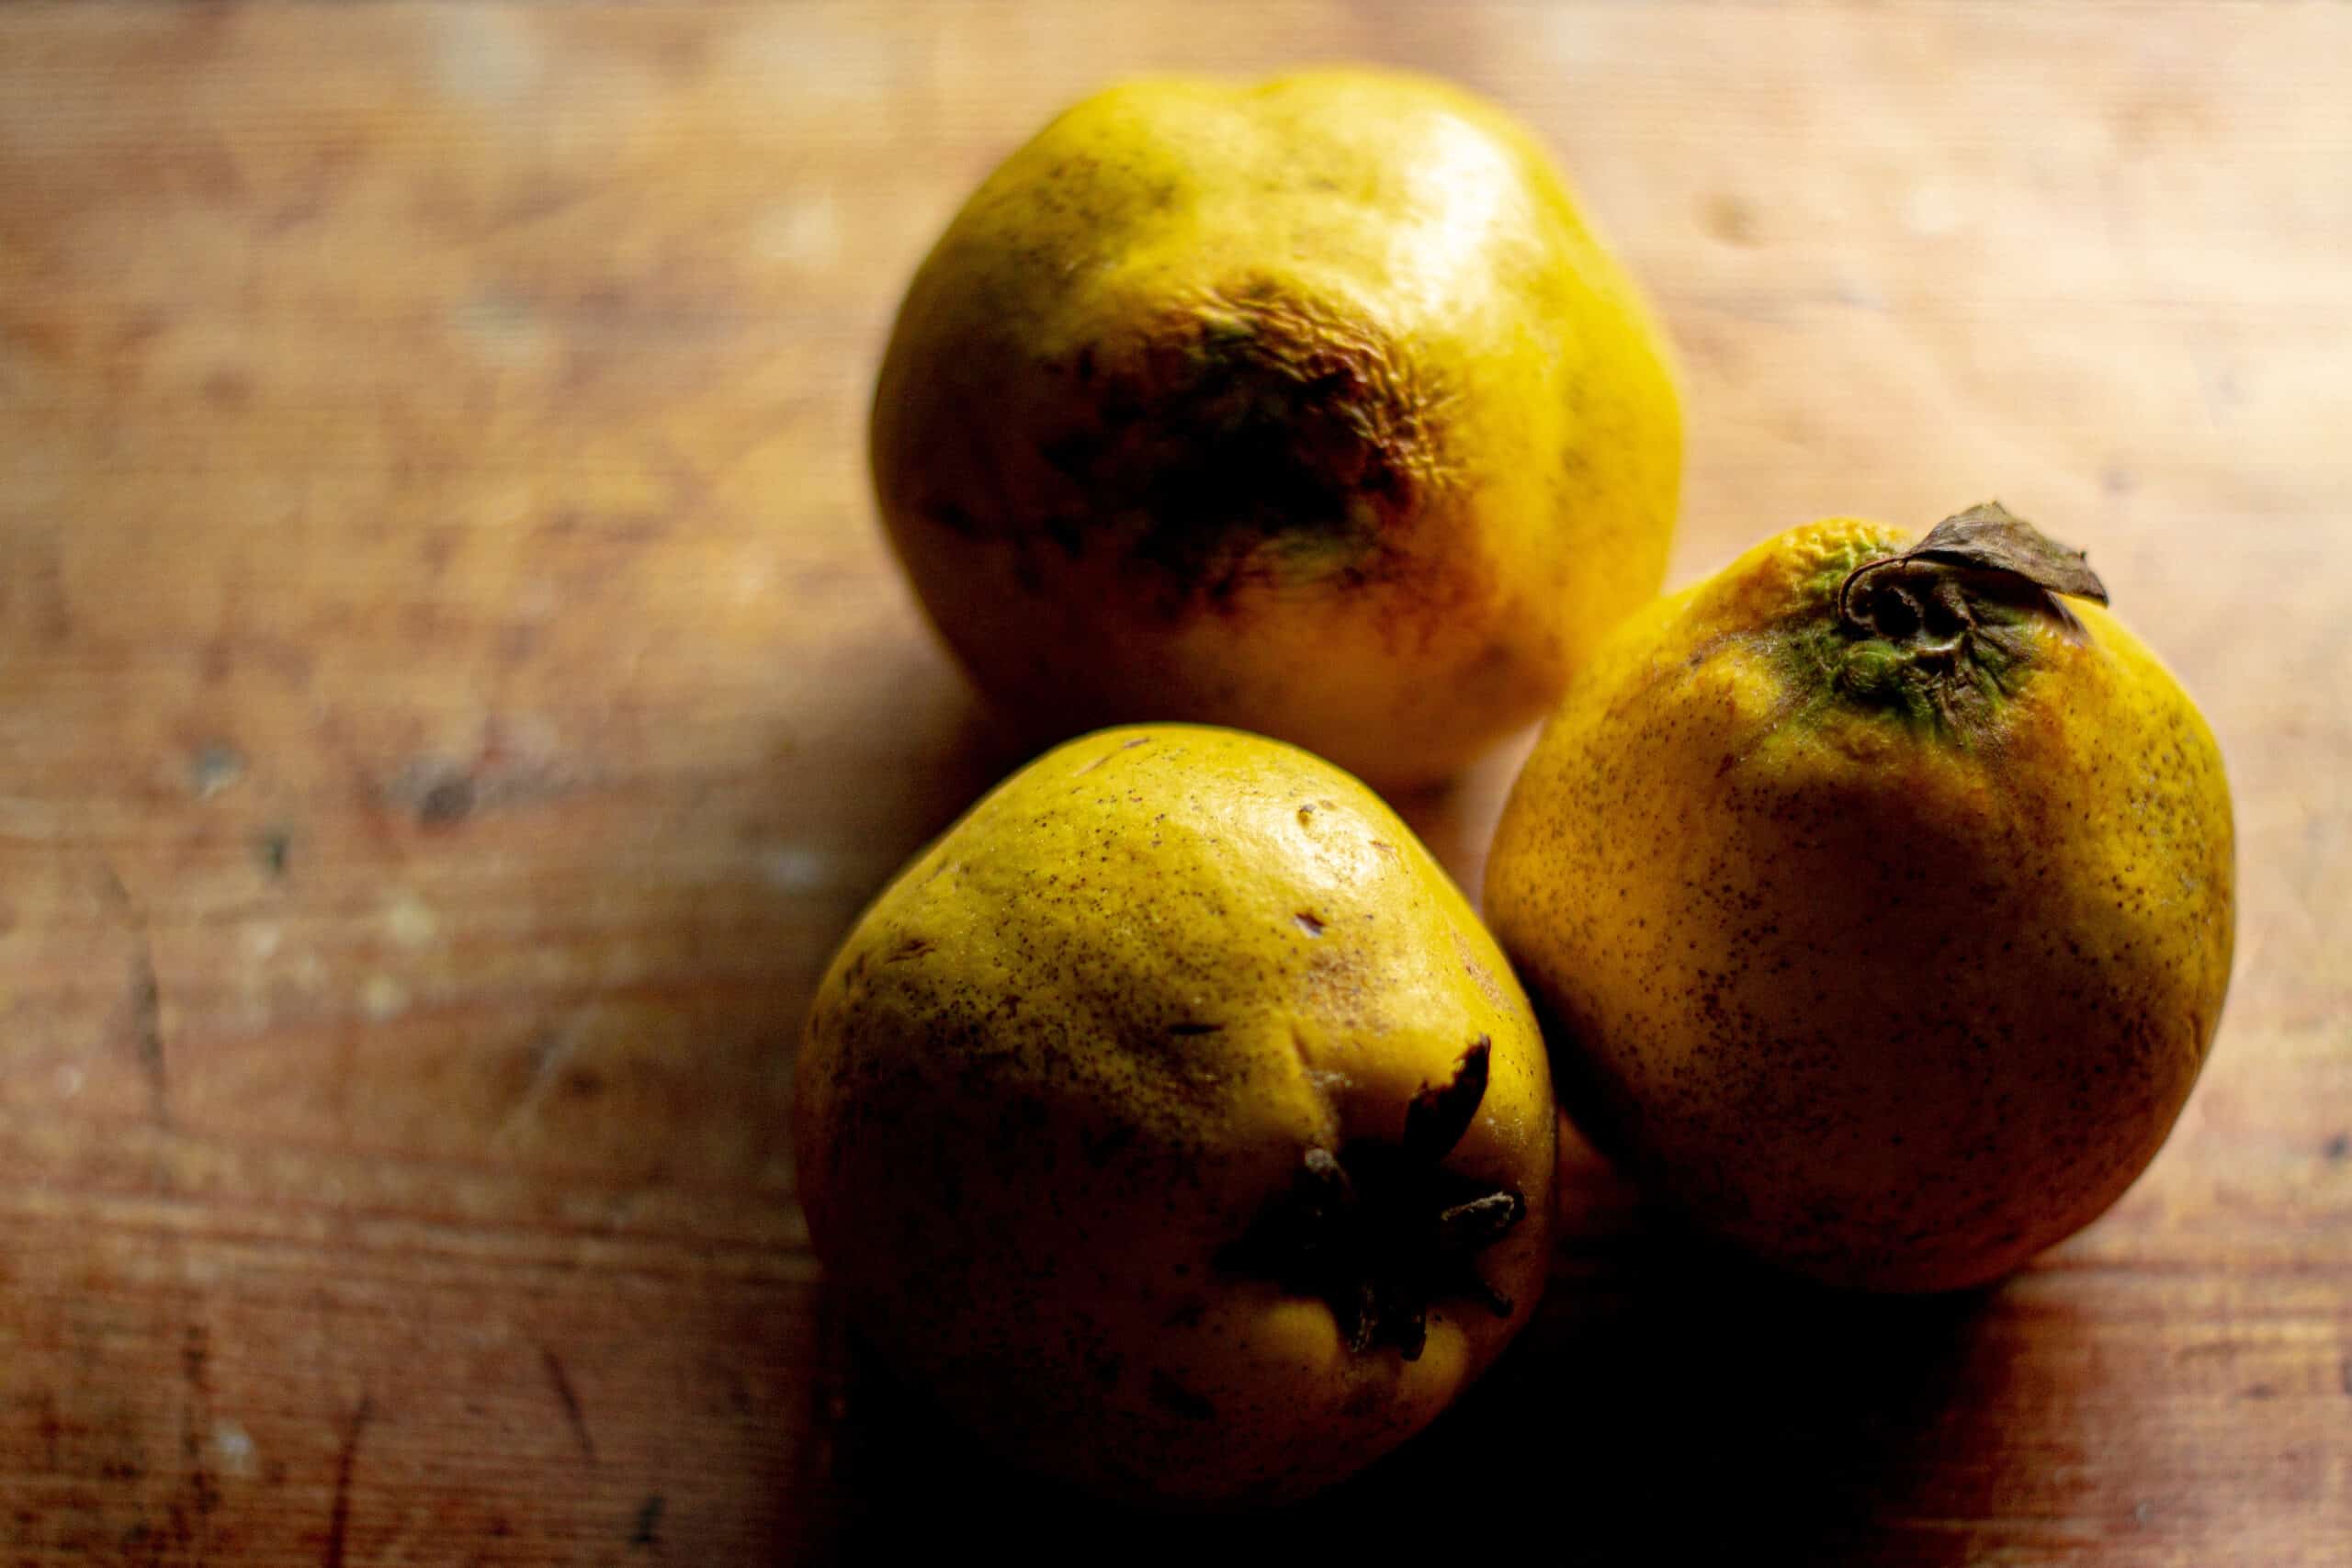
1878,897
1175,1122
1310,406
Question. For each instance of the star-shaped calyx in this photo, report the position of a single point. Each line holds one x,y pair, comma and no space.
1381,1230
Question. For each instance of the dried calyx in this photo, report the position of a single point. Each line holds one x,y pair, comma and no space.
1938,630
1381,1230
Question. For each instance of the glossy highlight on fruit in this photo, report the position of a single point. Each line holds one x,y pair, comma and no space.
1175,1122
1309,406
1878,899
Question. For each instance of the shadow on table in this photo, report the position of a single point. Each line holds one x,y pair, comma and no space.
1667,1405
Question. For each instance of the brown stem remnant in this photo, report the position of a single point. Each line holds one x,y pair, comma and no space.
1939,631
1922,596
1382,1231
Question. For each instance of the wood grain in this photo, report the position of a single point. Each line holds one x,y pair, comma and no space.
453,696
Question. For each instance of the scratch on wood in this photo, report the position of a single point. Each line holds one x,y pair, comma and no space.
546,1054
271,847
143,995
199,1496
147,1026
648,1533
570,1400
347,1460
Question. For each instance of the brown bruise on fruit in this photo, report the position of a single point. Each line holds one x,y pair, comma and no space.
1250,437
1380,1231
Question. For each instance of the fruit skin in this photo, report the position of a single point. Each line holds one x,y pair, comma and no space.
1068,1058
1888,1004
1309,407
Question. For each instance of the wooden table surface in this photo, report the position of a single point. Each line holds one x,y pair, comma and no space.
453,694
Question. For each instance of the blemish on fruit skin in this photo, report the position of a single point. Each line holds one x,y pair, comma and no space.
1256,437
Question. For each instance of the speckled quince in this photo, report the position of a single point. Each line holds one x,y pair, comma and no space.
1310,406
1877,899
1174,1121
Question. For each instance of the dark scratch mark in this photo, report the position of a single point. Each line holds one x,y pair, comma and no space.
201,1489
195,1358
345,1462
451,801
439,792
442,792
271,847
569,1398
143,996
147,1025
647,1535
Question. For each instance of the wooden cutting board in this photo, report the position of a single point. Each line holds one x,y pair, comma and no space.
453,696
